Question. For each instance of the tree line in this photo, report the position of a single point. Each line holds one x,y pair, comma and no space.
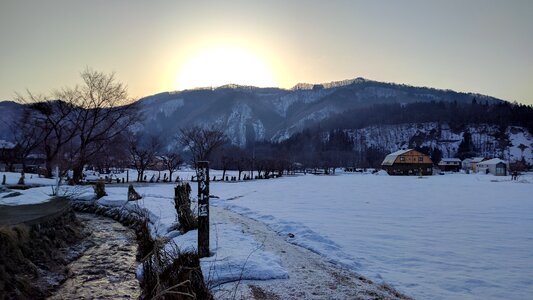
457,115
74,126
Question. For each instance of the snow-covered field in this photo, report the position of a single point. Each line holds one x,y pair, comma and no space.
439,237
31,196
454,236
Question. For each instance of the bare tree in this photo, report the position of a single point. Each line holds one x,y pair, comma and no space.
239,159
102,111
201,141
172,161
223,160
84,117
113,153
49,118
143,154
26,135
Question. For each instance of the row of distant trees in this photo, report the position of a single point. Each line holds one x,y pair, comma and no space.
93,124
73,126
457,115
145,152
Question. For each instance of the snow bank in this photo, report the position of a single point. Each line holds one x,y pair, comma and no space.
235,256
30,179
39,189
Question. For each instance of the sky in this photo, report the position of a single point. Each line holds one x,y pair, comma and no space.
480,46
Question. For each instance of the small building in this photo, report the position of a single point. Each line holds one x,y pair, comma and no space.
8,155
493,166
450,164
470,164
407,162
475,162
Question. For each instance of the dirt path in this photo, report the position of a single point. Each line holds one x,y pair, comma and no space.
107,269
310,275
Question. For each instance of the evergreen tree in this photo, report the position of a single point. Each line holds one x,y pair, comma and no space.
466,148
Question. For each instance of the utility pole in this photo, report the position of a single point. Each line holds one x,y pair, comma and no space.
203,208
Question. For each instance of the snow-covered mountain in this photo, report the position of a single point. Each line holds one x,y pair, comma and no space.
249,113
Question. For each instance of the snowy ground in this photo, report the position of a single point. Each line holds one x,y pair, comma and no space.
310,275
35,195
249,258
235,255
438,237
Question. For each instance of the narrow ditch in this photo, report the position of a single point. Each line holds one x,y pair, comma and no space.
106,270
165,274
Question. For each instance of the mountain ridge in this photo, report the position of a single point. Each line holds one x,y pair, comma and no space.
248,114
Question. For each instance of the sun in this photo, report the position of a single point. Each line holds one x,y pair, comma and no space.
218,66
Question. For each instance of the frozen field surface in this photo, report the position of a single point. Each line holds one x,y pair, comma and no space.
438,237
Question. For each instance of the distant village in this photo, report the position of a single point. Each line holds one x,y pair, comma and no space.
412,162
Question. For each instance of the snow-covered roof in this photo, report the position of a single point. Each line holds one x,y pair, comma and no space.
389,159
36,155
493,161
6,145
477,159
450,159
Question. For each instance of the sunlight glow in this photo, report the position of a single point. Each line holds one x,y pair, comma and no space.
218,66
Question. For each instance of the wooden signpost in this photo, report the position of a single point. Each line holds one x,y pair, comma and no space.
203,208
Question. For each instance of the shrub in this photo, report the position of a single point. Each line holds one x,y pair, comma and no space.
182,202
99,189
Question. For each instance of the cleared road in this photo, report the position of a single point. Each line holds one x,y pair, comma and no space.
32,213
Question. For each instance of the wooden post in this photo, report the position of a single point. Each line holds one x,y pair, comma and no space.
203,208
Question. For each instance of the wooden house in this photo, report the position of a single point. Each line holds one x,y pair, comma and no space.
407,162
450,164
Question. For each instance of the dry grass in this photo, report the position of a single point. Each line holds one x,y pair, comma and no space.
26,252
169,273
182,202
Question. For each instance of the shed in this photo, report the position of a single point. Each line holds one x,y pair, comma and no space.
450,164
407,162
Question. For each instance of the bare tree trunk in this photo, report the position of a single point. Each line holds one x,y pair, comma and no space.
48,166
78,172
